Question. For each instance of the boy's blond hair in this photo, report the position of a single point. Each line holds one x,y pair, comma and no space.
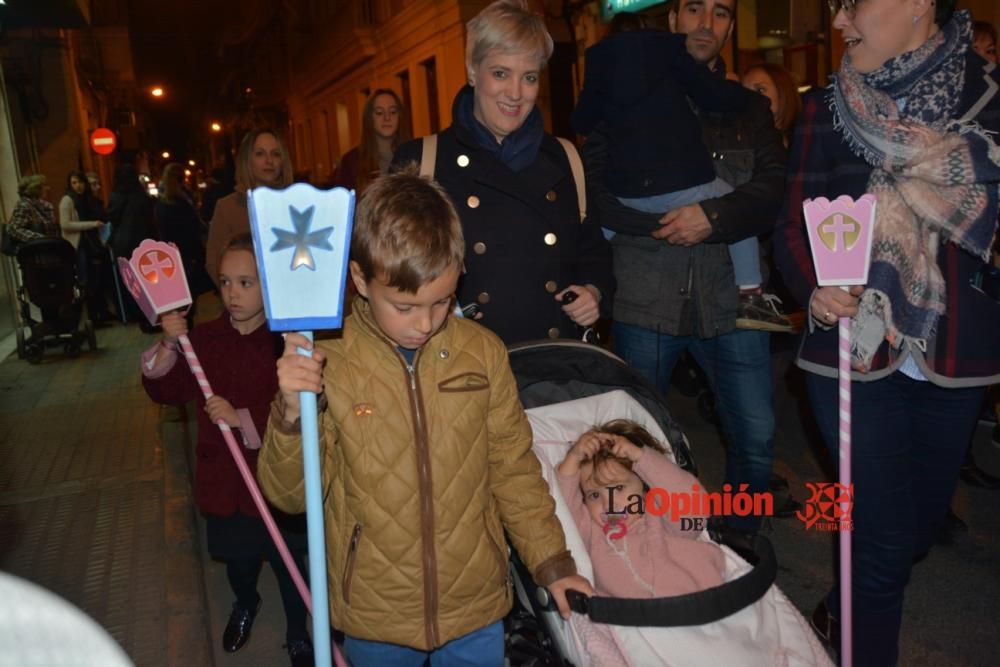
406,231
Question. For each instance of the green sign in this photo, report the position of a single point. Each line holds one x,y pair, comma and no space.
611,7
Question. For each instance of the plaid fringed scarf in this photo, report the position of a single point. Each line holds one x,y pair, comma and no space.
935,179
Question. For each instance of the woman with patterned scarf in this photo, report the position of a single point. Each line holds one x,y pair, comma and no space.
909,118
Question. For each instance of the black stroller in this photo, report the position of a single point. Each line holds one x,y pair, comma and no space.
552,376
49,283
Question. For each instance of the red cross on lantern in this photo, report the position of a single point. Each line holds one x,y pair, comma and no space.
153,263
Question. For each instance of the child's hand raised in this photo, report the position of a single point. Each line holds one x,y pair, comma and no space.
623,448
584,450
219,408
298,373
174,326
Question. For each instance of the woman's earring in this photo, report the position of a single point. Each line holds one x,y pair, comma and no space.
915,20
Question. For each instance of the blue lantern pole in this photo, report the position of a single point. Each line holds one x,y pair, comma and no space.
314,521
301,241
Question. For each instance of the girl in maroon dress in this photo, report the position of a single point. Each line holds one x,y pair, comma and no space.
238,354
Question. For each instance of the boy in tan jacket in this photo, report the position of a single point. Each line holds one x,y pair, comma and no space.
425,449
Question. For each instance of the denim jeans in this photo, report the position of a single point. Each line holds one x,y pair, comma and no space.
908,441
745,254
480,648
738,366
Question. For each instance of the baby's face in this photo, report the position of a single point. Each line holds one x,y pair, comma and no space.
598,497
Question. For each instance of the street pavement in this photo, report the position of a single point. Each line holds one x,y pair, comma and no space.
96,506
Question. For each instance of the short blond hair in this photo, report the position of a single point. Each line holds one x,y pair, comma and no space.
244,175
507,27
406,231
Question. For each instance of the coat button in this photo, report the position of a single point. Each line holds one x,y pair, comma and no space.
483,298
462,160
472,201
551,287
551,195
554,332
443,354
479,248
550,239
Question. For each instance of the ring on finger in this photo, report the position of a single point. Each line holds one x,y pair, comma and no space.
828,315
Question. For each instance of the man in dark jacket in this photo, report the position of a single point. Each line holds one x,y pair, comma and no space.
676,289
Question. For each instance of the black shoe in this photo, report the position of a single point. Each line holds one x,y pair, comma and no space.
301,652
826,626
788,508
238,629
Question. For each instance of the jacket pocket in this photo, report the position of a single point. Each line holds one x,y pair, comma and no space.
638,263
352,552
464,382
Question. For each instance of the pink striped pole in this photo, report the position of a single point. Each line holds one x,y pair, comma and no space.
844,377
248,479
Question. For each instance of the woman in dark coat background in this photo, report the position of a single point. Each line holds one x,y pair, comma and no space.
512,185
130,212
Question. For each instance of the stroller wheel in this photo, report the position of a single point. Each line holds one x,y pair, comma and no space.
72,350
88,329
33,353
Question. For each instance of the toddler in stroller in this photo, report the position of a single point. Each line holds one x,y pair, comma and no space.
50,300
745,620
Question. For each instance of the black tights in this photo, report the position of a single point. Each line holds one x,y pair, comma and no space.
242,574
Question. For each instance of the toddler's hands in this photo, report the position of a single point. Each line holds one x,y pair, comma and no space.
559,587
584,450
623,448
298,373
219,408
174,326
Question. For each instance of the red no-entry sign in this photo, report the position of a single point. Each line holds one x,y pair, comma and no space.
103,141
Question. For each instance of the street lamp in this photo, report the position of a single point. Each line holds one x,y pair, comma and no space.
166,155
156,92
216,127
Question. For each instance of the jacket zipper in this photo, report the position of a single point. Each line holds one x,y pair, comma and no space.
352,552
426,507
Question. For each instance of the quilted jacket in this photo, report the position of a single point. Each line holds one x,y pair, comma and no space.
423,468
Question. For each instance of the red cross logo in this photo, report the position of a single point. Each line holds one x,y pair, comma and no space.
155,262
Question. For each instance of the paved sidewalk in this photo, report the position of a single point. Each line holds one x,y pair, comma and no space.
94,507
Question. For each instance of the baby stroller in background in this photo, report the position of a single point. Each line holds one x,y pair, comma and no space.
49,282
567,387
